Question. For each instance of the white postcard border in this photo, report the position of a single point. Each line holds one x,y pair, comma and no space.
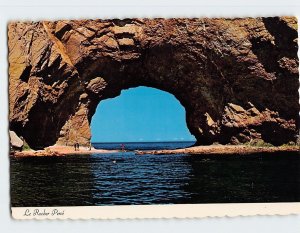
156,211
112,212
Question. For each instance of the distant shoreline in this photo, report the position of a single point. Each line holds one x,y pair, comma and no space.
60,151
223,150
143,142
194,150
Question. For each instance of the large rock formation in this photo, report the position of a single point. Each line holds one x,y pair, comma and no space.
16,143
237,78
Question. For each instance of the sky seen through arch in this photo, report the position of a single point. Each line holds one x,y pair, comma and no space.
140,114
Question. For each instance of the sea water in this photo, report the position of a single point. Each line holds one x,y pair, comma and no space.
129,179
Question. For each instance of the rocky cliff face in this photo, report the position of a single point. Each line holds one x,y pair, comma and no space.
237,78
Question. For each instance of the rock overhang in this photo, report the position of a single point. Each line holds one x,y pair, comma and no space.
238,79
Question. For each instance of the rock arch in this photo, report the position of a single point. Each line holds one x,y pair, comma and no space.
237,78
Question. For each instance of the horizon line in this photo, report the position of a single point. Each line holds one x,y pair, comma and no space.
147,141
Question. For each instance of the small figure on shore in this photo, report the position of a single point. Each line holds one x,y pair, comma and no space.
122,147
77,145
90,146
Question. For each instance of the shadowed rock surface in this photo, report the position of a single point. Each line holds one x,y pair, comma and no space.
237,78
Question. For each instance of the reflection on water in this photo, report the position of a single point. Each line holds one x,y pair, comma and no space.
51,181
125,178
131,179
240,179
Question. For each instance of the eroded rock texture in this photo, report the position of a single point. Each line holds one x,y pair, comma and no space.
237,78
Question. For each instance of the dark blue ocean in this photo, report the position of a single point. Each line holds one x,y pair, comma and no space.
127,179
131,146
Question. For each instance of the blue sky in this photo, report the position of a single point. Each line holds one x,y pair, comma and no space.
140,114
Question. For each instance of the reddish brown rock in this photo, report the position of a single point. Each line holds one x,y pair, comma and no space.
237,78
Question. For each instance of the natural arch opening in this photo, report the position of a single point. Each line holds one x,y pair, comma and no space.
231,91
141,114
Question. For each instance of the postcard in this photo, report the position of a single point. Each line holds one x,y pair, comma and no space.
154,118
